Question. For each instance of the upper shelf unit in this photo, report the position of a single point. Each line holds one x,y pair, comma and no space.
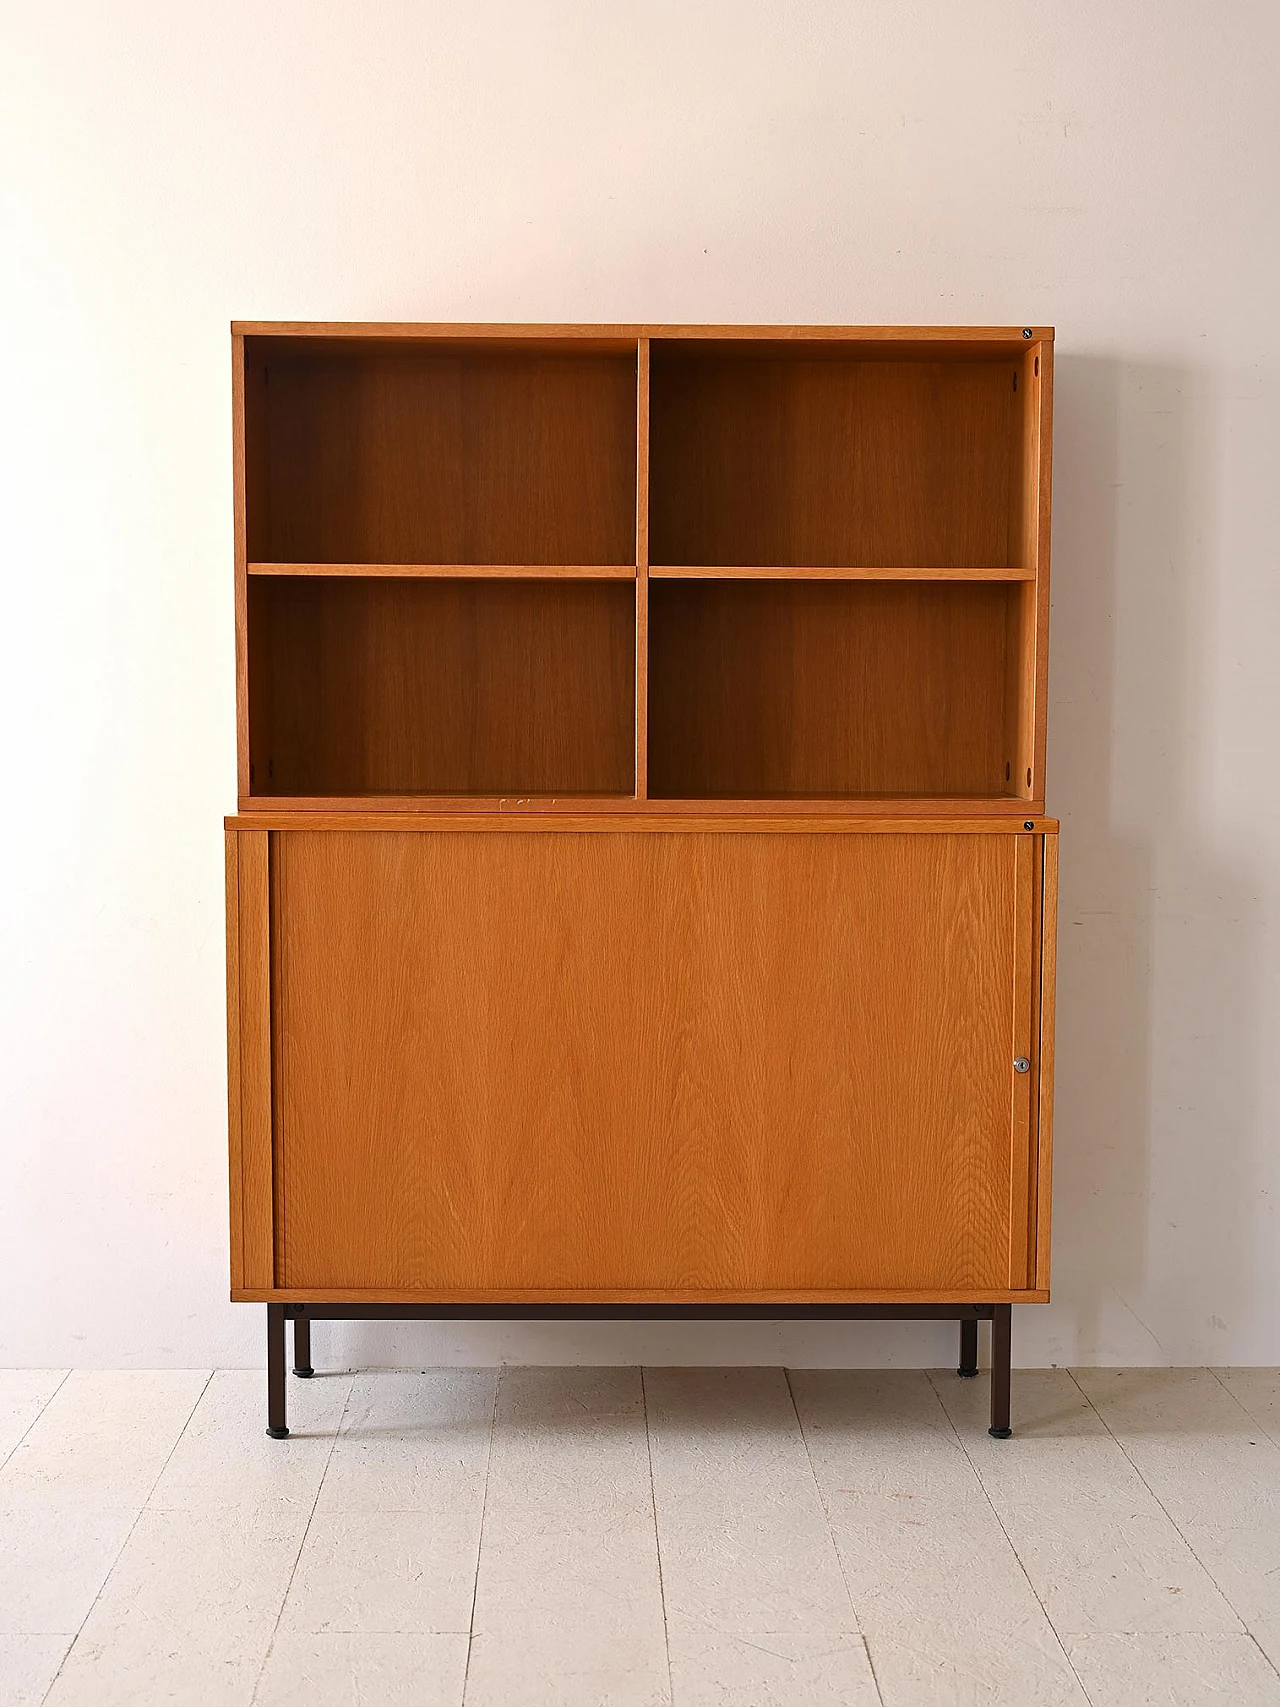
794,457
388,455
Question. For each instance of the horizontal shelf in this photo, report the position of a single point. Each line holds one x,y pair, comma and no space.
905,806
458,571
792,572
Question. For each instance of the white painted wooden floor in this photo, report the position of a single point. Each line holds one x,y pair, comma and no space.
607,1536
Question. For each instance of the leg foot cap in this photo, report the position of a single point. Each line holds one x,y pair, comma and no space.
304,1374
278,1433
1000,1433
966,1374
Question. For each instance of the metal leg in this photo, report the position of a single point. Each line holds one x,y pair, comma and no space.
277,1427
1001,1348
302,1346
968,1348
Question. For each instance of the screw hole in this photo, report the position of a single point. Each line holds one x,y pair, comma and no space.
1015,382
1037,366
1028,778
1007,771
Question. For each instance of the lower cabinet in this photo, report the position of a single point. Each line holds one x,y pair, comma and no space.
640,1064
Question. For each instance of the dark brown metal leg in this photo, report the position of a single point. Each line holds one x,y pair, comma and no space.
1001,1352
302,1346
277,1427
968,1348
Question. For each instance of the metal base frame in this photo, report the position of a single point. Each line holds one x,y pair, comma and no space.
968,1315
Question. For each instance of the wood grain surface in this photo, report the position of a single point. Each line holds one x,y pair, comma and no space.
666,1063
470,456
827,687
804,461
441,687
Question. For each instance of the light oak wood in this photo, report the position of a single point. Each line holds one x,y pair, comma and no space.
1045,1075
235,1163
448,456
574,335
606,1295
642,571
455,571
720,817
253,954
374,811
1026,928
763,1063
789,687
832,572
668,942
794,461
396,686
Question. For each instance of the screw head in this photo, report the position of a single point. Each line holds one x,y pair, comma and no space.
1028,823
1021,1064
1026,331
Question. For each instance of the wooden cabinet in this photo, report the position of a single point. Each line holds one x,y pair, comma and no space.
641,898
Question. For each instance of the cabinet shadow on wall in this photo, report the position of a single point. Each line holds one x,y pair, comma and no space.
1155,1153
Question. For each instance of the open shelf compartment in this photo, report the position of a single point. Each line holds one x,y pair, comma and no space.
367,686
367,452
803,455
774,689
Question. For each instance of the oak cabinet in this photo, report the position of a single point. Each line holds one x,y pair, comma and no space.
641,898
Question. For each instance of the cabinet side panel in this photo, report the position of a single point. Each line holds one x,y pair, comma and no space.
233,1060
1048,981
255,1058
669,1063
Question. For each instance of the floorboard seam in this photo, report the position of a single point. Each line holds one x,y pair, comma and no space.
657,1538
835,1545
1178,1530
484,1507
1260,1426
293,1570
35,1419
129,1532
977,1474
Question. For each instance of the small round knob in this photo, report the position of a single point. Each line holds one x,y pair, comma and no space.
1021,1064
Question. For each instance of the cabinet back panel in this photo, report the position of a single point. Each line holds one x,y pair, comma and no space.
374,685
832,461
463,457
761,688
661,1062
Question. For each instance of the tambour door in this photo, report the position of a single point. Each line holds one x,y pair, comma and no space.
661,1063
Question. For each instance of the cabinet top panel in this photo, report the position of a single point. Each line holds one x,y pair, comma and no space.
976,340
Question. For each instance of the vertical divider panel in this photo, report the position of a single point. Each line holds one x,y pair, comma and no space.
256,1170
1044,1075
239,460
642,569
1021,1176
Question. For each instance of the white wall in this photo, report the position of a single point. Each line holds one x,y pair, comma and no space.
1111,169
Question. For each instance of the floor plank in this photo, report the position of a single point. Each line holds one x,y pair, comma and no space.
757,1608
1103,1556
1174,1671
24,1393
569,1599
393,1545
1213,1469
189,1608
73,1488
946,1608
382,1671
28,1665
